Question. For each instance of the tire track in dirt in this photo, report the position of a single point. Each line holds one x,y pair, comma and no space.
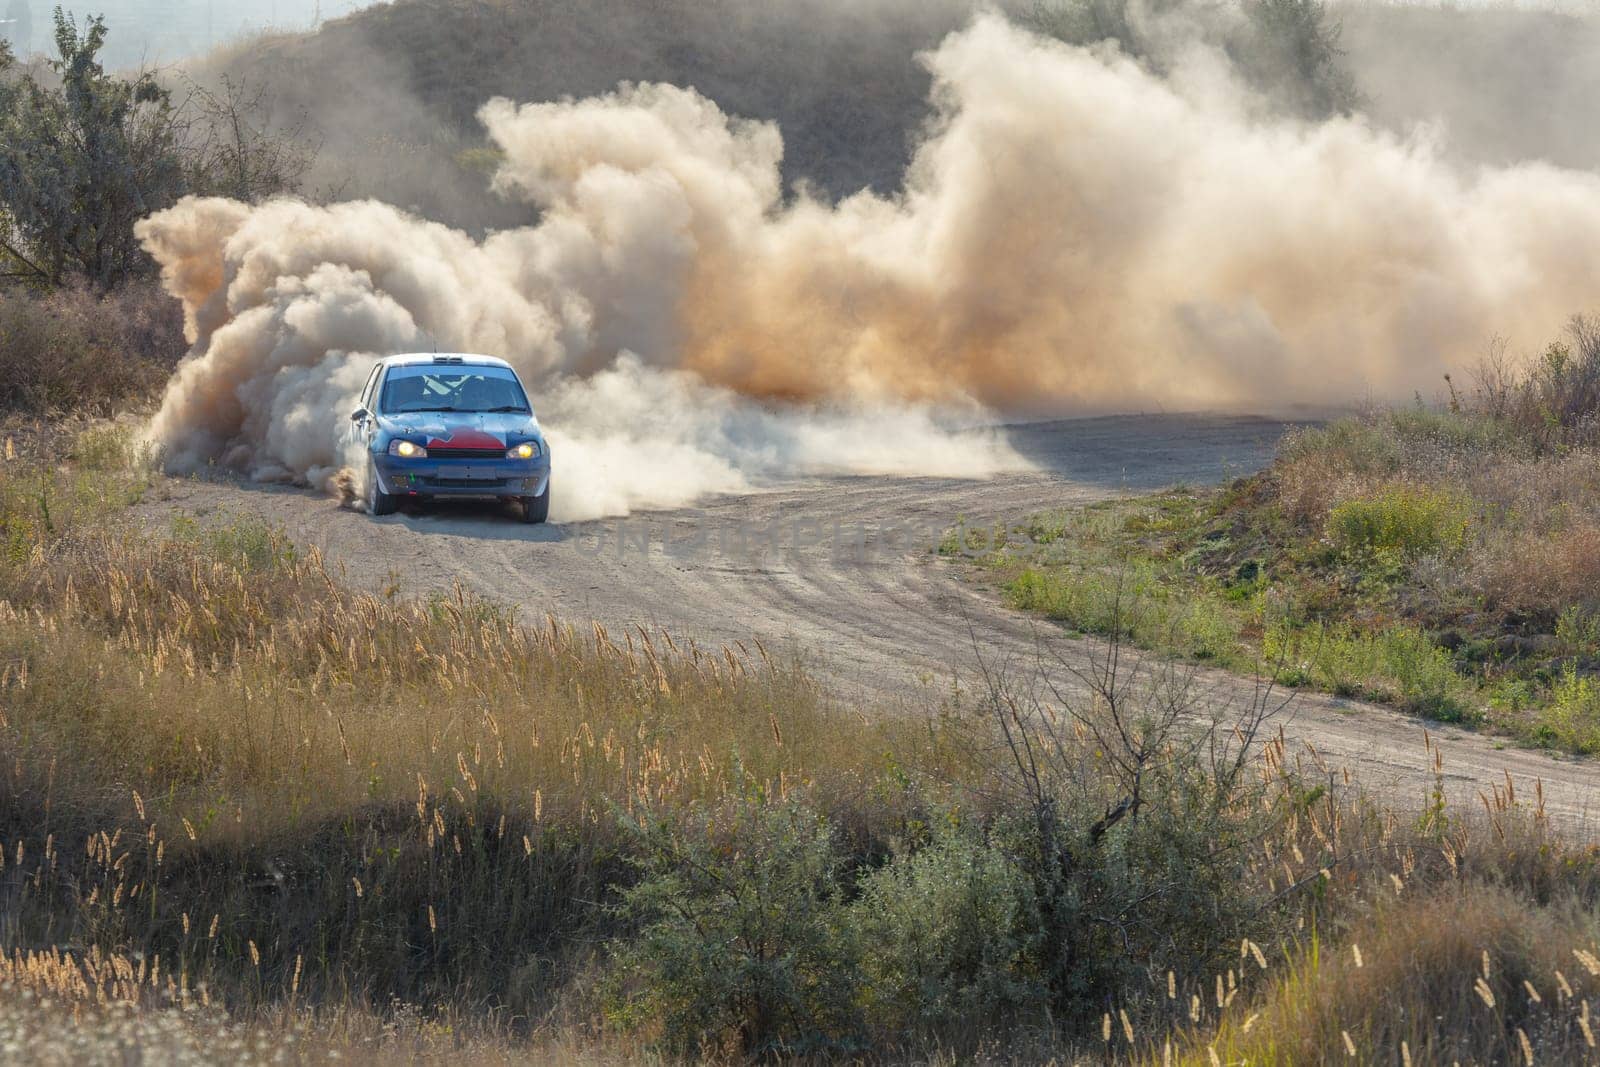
894,627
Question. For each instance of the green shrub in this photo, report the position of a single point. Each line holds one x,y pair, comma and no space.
1208,630
1424,673
1126,602
1030,591
739,945
1404,520
1400,664
947,937
1166,889
1572,718
1578,631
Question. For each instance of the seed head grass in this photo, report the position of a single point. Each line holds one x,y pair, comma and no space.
249,812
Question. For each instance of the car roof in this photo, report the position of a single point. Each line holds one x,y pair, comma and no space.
406,359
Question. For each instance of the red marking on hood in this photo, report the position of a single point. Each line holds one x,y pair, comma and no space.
467,439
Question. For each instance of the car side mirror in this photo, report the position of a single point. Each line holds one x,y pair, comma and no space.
358,415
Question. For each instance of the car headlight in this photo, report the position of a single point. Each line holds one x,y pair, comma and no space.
526,450
407,450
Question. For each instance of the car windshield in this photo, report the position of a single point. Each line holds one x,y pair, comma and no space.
430,387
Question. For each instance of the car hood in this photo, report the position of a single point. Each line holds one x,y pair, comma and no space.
446,429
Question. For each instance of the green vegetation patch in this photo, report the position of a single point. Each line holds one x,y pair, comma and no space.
1406,521
1445,561
1179,573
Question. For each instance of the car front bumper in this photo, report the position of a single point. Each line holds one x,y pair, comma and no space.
462,477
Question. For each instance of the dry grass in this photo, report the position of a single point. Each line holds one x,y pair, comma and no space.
1522,449
59,1010
1453,940
1534,520
1460,974
1537,575
216,755
75,350
248,812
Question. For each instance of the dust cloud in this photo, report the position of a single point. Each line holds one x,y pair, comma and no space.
1074,233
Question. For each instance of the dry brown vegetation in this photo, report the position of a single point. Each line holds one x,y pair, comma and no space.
248,808
76,350
1482,527
423,785
1445,558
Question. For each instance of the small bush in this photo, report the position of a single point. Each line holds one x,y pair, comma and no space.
1404,520
76,350
1207,630
739,946
947,937
1401,664
1578,632
1423,671
1122,603
1572,718
1540,573
109,447
1447,973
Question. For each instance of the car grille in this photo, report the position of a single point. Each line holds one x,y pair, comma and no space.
485,484
466,453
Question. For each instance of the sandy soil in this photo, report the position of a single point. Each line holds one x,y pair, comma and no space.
841,570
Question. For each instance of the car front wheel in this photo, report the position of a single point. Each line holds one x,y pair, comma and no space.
378,502
537,508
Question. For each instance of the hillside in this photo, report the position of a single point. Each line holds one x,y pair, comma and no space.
391,90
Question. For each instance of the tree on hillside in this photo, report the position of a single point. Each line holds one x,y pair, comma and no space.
1292,53
230,151
85,158
82,162
1287,49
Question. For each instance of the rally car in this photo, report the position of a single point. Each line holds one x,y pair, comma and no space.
451,425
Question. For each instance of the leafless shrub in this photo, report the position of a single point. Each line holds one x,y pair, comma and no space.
230,147
76,349
1537,573
1140,811
1554,402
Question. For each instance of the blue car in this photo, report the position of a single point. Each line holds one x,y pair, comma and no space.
451,425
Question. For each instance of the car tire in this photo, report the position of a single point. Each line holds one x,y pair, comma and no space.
537,508
378,502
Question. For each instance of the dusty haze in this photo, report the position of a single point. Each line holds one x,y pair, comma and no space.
1073,233
1503,84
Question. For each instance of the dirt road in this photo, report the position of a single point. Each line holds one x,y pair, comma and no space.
842,570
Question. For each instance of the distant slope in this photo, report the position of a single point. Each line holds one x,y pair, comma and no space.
393,88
